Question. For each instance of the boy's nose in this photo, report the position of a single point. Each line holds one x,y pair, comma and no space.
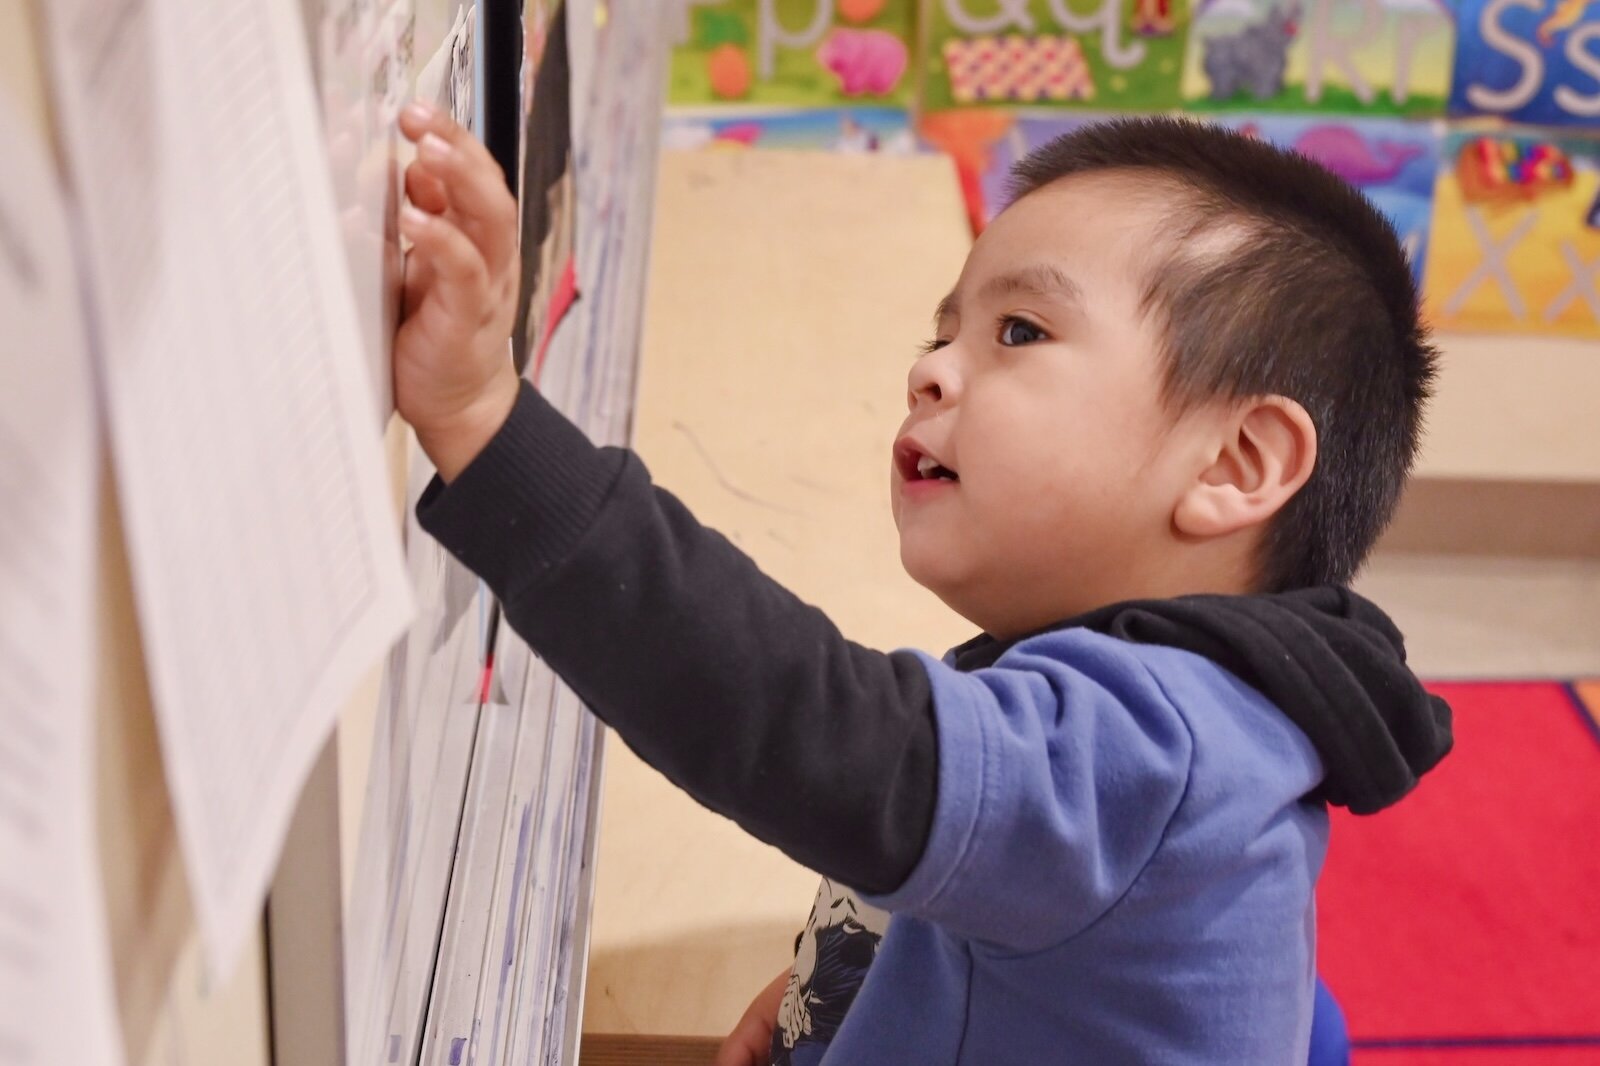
932,381
930,392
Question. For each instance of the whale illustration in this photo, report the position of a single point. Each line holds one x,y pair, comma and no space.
1343,151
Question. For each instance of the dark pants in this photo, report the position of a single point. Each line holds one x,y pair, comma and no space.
1330,1042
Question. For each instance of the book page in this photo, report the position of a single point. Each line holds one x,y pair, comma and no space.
56,999
243,425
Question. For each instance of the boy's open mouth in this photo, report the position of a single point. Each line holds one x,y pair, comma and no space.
915,464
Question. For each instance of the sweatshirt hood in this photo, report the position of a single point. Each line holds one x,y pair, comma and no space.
1331,661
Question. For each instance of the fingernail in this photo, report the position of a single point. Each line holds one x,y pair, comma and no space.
421,111
435,147
414,217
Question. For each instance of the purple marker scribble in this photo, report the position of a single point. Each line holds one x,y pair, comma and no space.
456,1045
511,930
394,1047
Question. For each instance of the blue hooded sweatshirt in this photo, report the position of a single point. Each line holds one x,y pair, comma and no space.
1121,870
1098,844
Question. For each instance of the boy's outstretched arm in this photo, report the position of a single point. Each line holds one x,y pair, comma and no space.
744,696
1013,804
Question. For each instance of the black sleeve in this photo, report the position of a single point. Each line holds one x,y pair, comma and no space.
745,697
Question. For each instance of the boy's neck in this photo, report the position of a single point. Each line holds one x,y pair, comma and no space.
1009,620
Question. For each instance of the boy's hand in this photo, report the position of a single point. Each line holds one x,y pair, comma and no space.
453,378
750,1043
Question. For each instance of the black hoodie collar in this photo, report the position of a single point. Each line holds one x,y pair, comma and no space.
1330,660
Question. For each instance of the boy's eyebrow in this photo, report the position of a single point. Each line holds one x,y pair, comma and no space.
1041,279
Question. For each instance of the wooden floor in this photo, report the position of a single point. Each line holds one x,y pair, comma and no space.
606,1049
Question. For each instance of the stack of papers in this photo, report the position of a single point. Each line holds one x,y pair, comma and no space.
468,919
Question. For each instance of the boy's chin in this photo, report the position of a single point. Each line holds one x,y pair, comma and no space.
940,571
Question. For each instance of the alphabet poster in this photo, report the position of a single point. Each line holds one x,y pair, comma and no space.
812,53
1392,162
1534,61
1092,54
989,149
1515,245
853,130
1374,57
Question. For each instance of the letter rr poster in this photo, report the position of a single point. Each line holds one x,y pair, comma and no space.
1367,57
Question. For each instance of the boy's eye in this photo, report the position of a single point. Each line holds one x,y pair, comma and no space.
1015,331
931,346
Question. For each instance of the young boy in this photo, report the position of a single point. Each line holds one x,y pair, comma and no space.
1169,405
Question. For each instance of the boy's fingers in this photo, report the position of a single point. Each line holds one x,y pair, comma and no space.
418,277
424,189
736,1050
460,279
476,185
478,196
421,118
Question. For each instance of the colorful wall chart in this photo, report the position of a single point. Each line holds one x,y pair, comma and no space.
814,53
1342,81
1515,244
850,130
1394,163
1376,57
1106,54
1535,61
1020,135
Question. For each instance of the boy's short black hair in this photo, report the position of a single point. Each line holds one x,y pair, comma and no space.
1274,277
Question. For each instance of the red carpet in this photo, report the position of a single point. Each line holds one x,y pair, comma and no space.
1462,927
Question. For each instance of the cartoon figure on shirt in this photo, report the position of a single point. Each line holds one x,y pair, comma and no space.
831,958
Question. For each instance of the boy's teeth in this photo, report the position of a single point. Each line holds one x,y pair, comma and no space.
926,465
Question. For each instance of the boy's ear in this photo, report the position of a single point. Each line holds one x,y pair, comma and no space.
1267,451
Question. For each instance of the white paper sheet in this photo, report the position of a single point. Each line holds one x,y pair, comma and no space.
265,556
409,833
365,61
56,1003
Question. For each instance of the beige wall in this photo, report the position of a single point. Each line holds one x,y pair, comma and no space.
784,307
1515,408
